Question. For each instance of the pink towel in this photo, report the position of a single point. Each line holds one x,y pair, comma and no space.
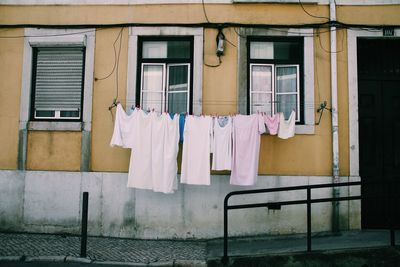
272,123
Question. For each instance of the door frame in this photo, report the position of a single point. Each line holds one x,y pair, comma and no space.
352,69
352,72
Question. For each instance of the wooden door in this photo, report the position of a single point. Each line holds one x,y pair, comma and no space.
379,131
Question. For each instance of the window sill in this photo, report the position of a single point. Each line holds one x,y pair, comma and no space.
302,129
67,126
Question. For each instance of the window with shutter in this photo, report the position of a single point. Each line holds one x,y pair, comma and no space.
57,83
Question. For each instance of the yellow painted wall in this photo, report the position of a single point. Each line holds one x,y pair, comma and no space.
11,50
54,151
174,13
103,157
301,155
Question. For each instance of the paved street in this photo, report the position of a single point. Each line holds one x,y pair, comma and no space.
57,264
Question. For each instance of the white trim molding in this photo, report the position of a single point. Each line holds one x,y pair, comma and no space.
352,37
197,33
308,75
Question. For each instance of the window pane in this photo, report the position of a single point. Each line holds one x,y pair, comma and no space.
166,49
45,113
154,49
153,76
286,103
261,50
178,78
261,102
69,113
178,49
287,50
261,78
286,79
177,102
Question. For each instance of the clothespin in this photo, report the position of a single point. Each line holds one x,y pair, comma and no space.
114,104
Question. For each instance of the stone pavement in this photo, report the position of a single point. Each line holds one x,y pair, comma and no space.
102,249
200,253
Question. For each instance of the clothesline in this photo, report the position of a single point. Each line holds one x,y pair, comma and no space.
234,143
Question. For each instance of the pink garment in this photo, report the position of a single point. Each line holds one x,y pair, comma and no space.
246,148
272,123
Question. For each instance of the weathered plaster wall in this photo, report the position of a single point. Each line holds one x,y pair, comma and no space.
50,202
11,50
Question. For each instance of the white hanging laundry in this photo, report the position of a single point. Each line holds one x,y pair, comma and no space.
165,146
287,127
123,127
272,123
222,144
246,148
140,164
195,168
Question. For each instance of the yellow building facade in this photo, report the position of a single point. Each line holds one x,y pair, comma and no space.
60,159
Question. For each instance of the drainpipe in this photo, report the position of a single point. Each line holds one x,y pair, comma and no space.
335,124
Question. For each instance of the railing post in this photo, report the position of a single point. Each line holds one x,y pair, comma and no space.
308,219
85,204
225,257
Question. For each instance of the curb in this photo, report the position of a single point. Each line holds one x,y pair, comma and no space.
77,259
119,263
46,258
11,258
190,263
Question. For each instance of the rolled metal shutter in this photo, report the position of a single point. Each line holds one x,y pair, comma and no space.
59,79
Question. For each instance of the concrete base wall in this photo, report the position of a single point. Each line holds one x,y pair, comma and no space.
50,202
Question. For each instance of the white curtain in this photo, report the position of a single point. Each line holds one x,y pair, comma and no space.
152,90
261,89
286,89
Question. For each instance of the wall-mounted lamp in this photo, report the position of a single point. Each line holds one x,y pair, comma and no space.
220,42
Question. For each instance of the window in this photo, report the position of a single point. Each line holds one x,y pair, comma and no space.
165,74
274,71
57,83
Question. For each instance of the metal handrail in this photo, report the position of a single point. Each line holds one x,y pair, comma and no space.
278,205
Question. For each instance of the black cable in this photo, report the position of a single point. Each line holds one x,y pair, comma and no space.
329,51
311,15
367,27
115,58
204,11
49,35
214,66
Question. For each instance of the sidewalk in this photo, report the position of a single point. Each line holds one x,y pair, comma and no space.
102,249
46,247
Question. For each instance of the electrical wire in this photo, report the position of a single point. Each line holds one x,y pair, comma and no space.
116,56
214,66
204,11
50,35
311,15
329,51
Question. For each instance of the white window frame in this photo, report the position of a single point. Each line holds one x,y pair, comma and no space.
197,33
308,71
167,92
165,85
262,92
163,65
291,93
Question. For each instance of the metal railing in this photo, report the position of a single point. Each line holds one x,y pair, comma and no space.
277,205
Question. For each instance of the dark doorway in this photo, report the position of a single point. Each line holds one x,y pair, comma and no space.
379,131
